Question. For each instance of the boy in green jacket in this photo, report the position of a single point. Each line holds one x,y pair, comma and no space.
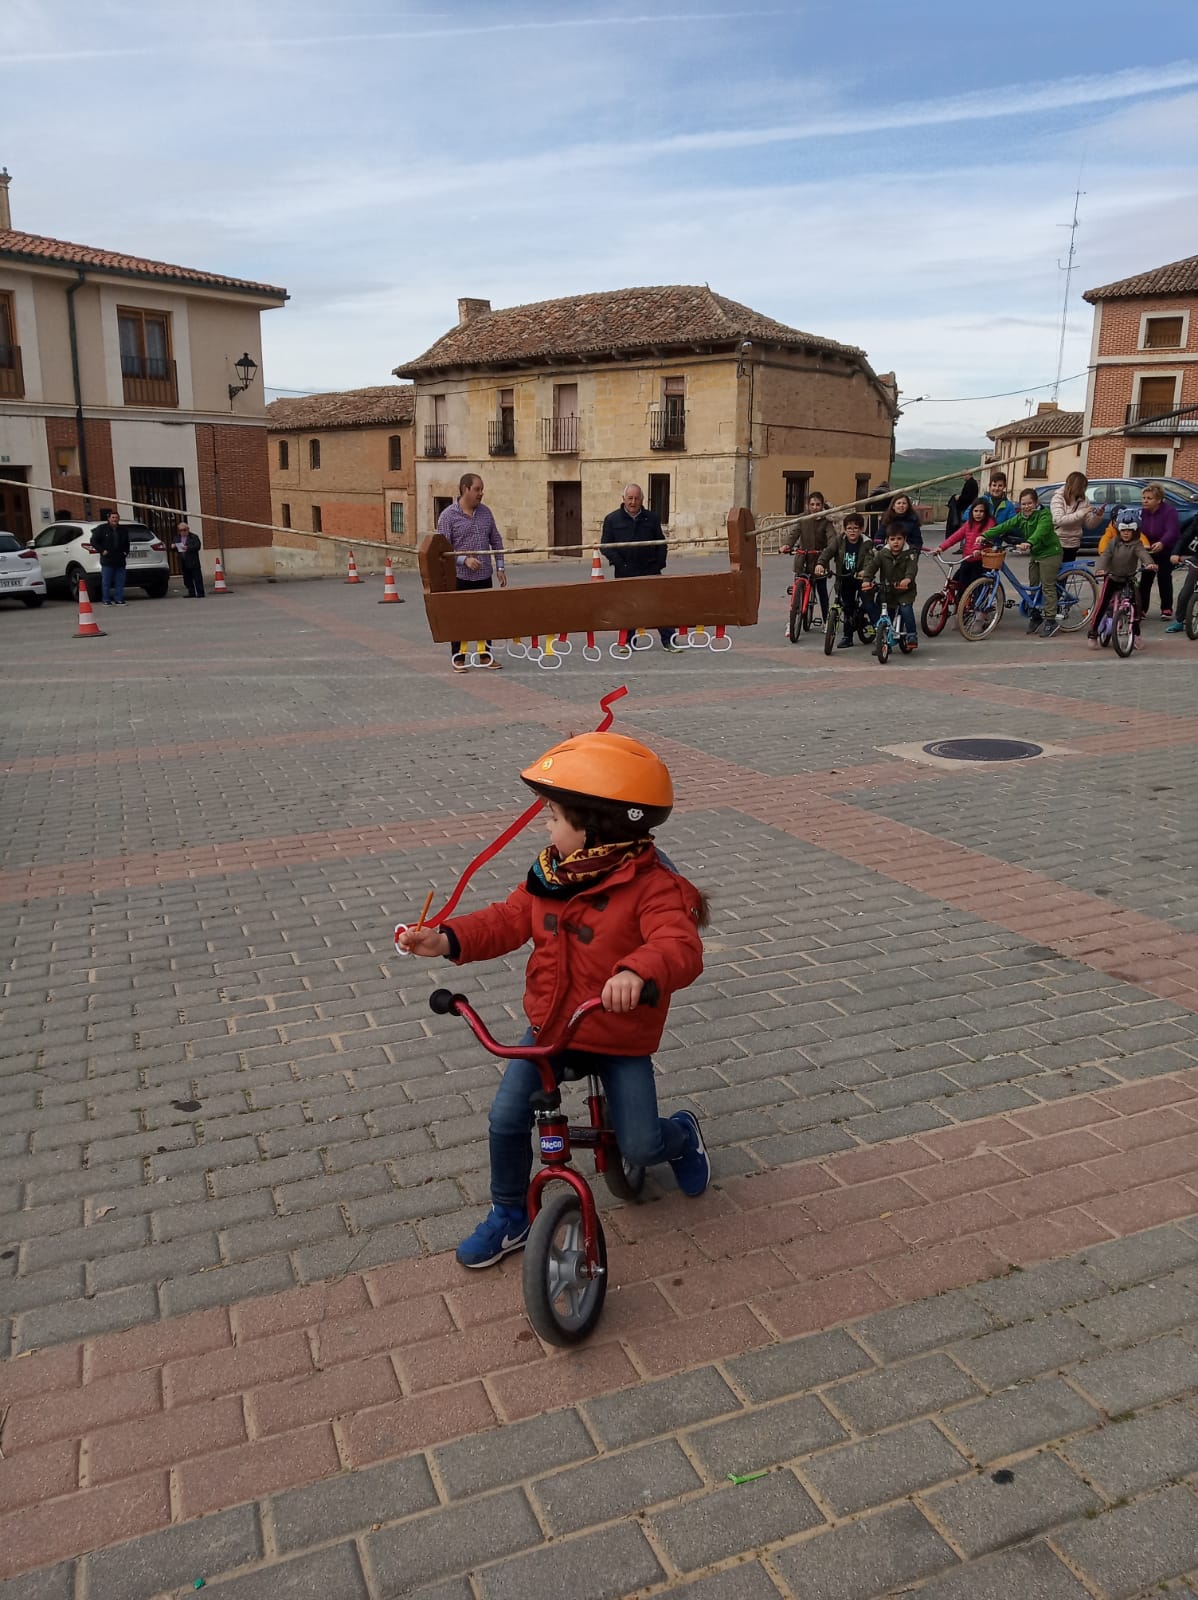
893,571
1038,538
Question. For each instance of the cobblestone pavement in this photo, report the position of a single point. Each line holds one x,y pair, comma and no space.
944,1050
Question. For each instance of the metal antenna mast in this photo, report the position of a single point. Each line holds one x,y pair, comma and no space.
1067,269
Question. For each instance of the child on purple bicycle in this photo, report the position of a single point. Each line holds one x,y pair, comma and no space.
606,914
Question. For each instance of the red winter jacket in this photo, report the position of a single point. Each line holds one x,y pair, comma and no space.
641,918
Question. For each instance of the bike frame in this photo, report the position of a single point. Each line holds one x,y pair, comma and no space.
555,1136
1031,598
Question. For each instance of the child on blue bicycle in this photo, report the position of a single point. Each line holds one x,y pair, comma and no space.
892,574
606,915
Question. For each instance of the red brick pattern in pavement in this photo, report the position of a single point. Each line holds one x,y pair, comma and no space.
133,1431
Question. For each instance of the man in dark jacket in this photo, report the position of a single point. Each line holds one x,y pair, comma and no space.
112,542
631,523
188,545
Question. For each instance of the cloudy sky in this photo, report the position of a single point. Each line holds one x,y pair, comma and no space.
892,175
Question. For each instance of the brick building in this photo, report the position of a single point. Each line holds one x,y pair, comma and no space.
1049,440
345,464
705,403
119,383
1144,375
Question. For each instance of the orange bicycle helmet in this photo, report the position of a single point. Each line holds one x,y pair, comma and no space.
609,773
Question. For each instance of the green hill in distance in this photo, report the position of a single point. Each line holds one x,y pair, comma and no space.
913,466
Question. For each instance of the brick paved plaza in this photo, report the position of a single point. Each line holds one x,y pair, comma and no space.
943,1291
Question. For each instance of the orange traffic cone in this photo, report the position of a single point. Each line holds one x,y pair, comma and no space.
596,568
219,586
88,628
391,595
352,576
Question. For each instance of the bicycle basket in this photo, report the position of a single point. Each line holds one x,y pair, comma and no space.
992,560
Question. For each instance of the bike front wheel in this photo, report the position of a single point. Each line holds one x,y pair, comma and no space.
882,644
830,627
935,615
794,628
562,1302
1192,619
1123,630
981,609
1077,595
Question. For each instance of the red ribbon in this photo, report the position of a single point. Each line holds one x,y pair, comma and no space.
521,822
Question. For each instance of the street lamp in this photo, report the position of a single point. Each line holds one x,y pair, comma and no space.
246,368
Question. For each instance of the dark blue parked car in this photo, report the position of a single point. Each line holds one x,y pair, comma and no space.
1116,492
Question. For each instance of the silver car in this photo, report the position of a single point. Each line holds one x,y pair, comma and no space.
69,558
20,572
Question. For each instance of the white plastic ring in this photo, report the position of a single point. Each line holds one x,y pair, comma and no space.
641,640
549,662
619,651
400,927
592,652
720,642
562,647
517,649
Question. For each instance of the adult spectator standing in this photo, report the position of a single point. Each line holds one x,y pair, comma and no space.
188,546
112,541
1158,520
959,504
633,524
1071,512
472,534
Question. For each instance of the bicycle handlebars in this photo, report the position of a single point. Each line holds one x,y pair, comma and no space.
445,1003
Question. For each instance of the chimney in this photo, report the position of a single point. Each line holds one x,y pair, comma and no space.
5,214
469,309
1047,405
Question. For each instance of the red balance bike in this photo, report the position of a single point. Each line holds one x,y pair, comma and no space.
565,1259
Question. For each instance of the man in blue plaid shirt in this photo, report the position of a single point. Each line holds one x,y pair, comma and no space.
472,534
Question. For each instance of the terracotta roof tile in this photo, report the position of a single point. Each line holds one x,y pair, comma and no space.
344,408
619,322
1044,425
15,246
1179,277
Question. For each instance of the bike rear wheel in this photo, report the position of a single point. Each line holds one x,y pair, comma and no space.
981,609
1077,595
830,627
794,628
623,1180
562,1302
1192,619
1123,629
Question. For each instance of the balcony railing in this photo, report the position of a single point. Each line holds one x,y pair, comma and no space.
434,438
501,437
1157,417
667,430
12,374
559,435
149,382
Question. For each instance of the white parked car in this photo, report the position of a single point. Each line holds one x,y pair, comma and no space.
68,557
20,572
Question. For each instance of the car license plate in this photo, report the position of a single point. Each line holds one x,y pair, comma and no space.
10,583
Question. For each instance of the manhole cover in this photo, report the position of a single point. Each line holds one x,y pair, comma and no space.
983,749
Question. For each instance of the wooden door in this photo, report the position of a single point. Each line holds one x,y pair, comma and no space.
567,519
1156,397
14,506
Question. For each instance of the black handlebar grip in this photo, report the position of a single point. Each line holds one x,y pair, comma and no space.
650,994
443,1001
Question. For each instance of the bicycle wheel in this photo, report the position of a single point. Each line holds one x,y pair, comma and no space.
865,628
562,1302
830,627
1123,631
1192,618
1077,595
981,609
882,643
622,1179
794,627
809,608
935,614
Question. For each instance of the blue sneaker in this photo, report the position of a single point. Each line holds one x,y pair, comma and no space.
1176,627
502,1230
692,1170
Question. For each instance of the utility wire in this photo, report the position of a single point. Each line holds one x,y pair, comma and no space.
963,399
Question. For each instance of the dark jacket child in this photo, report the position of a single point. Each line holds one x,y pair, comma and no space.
810,538
606,915
1121,563
902,515
1187,551
847,554
893,574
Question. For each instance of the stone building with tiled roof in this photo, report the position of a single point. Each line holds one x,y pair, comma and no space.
1041,448
703,401
133,383
1144,374
344,465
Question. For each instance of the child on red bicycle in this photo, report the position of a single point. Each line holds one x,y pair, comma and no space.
972,537
1120,564
815,532
606,914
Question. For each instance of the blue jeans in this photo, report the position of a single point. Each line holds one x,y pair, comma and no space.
645,1139
112,584
906,613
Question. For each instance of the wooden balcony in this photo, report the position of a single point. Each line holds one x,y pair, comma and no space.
149,382
12,374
